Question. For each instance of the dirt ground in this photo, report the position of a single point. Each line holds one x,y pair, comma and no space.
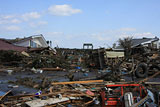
25,82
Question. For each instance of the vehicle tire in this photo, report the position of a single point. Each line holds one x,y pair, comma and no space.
141,71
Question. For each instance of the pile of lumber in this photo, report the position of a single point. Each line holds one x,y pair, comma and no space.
80,93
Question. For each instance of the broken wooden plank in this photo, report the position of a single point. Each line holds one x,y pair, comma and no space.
89,102
152,83
76,82
52,69
25,53
1,98
140,102
2,105
146,79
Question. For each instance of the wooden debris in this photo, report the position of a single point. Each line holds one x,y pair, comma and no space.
89,102
1,98
25,53
52,69
146,79
77,82
140,102
153,83
2,105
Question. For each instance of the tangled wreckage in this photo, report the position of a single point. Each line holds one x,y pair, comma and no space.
86,77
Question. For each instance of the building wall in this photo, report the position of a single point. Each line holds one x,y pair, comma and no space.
25,43
40,42
155,44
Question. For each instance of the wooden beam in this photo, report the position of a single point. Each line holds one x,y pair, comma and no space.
5,94
140,102
152,83
76,82
52,69
146,79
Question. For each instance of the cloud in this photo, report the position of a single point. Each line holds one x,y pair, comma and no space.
100,37
12,28
31,15
37,24
136,35
56,42
3,21
16,21
63,10
12,21
6,16
144,34
9,19
127,29
111,36
55,34
56,38
42,22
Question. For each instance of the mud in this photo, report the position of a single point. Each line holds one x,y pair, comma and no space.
27,80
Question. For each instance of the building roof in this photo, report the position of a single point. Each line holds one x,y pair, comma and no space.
5,45
21,40
136,42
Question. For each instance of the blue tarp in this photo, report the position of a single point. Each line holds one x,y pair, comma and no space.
2,93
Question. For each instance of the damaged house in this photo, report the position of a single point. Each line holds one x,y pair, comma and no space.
138,43
36,41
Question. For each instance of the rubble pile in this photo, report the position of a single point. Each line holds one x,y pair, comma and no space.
61,93
38,59
103,75
10,58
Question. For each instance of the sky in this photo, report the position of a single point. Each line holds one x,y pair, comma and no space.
70,23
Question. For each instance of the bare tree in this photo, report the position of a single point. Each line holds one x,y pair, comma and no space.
126,43
114,45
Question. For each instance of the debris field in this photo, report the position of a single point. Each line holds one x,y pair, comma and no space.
80,77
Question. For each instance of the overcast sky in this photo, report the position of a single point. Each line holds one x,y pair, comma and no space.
70,23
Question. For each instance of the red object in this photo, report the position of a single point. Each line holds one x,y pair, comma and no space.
112,97
88,92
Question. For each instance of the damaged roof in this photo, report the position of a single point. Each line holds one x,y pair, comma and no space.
136,42
5,45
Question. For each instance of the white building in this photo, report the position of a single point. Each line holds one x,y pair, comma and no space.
35,41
